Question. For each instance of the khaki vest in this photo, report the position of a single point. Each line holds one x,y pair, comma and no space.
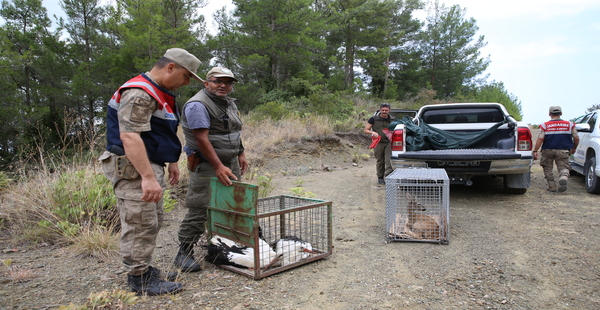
225,129
380,124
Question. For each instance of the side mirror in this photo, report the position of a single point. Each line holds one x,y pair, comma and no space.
583,127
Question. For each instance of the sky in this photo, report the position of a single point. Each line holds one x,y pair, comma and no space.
546,52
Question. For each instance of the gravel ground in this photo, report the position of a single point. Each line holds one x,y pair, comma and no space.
533,251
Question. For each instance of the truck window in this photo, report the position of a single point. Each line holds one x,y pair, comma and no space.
463,115
592,121
578,120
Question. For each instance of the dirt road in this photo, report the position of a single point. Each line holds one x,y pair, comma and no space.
533,251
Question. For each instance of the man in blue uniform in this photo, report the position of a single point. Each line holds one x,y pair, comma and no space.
558,139
142,121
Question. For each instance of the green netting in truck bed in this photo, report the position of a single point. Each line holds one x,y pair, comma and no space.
423,136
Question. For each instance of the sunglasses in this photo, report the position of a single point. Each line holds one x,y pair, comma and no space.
219,82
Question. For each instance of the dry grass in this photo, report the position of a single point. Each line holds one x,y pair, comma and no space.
55,207
261,136
17,273
97,242
25,203
113,299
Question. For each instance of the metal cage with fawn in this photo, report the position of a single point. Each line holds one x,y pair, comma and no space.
418,205
236,213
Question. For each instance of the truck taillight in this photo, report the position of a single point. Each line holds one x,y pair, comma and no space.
524,139
398,140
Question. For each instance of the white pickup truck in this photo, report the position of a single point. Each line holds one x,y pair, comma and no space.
505,152
585,160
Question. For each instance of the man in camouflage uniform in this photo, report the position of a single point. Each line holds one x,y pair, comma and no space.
383,151
558,139
142,123
212,128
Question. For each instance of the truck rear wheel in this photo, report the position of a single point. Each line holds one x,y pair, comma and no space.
517,191
592,182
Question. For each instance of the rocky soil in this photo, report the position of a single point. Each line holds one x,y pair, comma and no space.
533,251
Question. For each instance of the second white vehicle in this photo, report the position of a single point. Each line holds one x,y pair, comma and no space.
586,159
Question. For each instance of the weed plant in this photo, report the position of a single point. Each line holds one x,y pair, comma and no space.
82,197
264,182
299,191
113,299
54,204
4,181
96,241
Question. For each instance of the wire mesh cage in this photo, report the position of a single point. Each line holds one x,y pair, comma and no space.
282,232
417,205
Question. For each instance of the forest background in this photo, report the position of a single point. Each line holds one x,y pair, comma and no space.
306,68
301,58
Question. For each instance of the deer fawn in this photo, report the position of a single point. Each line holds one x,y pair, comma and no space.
420,226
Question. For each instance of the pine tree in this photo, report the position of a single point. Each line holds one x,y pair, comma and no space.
451,53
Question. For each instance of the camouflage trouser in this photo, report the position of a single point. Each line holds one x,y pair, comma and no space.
140,221
198,198
560,157
383,154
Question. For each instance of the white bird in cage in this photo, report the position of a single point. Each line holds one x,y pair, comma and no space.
222,251
292,249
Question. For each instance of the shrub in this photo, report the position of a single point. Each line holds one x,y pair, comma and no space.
273,110
4,181
169,202
82,197
300,192
264,183
97,242
69,205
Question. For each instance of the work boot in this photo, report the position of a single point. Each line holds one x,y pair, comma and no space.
149,284
562,183
185,258
551,186
169,276
381,181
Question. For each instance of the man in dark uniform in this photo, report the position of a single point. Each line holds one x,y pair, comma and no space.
142,123
212,128
558,139
383,150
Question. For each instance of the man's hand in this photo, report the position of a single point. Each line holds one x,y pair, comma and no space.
173,170
136,153
225,175
152,192
243,163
